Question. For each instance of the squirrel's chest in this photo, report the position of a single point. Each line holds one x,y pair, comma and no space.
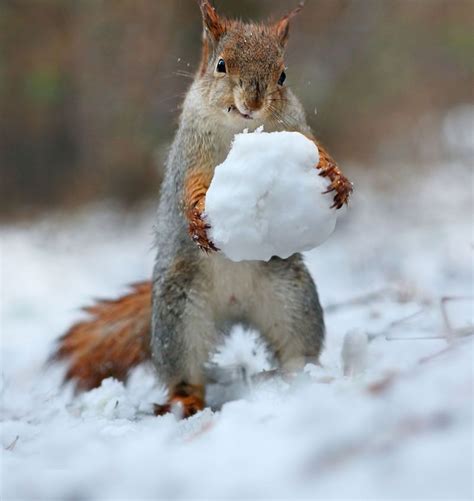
217,144
216,137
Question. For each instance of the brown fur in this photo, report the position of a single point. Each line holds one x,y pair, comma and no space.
214,27
215,24
243,50
282,27
339,183
186,398
196,185
109,344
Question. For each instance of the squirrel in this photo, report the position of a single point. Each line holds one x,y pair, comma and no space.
196,293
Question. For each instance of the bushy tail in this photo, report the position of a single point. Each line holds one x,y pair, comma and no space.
112,341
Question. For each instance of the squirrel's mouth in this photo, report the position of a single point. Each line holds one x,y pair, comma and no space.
234,109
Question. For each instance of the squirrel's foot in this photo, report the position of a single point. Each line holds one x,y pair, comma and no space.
198,230
185,401
339,184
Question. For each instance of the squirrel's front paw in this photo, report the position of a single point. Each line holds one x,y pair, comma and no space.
339,184
198,230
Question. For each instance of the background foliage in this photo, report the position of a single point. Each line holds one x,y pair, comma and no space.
90,89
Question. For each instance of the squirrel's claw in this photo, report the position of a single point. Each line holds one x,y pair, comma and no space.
339,183
198,230
183,407
186,401
196,185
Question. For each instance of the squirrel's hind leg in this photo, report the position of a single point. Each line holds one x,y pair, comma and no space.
183,335
185,399
290,316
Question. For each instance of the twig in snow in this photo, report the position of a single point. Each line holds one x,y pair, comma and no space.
428,358
393,324
400,321
452,331
12,445
435,355
415,338
358,300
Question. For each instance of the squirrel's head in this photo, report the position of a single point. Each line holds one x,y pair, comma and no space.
242,72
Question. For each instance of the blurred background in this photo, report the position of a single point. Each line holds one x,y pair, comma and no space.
90,89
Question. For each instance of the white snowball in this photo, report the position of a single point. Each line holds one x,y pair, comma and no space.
266,198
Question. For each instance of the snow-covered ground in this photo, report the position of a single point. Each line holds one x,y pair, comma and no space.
401,429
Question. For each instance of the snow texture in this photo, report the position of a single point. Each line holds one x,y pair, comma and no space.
354,353
266,199
400,428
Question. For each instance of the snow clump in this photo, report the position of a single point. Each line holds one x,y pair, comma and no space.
266,199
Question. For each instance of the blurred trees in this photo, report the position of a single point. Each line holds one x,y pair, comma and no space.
90,89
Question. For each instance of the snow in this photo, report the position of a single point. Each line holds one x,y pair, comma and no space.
354,353
266,199
400,427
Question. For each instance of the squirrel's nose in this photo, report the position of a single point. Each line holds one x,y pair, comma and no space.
253,104
254,94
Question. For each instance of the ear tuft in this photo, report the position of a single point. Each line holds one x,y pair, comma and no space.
213,24
282,27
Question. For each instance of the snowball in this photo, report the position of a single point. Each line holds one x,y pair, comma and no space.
266,199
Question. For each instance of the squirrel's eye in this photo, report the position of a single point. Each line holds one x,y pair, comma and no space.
220,66
282,78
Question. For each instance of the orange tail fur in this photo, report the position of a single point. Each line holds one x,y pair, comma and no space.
110,343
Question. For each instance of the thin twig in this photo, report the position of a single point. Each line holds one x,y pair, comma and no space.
393,324
358,300
416,338
12,445
454,332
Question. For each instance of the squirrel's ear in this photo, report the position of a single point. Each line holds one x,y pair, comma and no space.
214,26
282,27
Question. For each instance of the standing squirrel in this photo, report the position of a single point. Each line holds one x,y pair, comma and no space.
197,293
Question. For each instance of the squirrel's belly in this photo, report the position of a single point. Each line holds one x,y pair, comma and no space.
236,288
